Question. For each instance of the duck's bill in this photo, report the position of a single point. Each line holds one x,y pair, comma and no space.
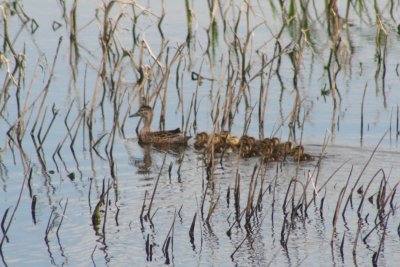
135,115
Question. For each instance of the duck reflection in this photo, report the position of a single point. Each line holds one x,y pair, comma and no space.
144,165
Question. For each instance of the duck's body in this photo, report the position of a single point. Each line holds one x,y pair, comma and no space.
146,136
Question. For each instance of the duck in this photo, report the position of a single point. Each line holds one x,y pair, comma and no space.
146,136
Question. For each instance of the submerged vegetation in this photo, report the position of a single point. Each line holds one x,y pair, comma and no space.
266,80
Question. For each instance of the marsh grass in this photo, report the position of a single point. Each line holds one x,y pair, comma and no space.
240,74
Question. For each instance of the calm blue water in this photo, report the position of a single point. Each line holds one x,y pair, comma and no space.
180,194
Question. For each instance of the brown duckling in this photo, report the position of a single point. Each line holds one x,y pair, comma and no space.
299,155
297,151
247,140
278,154
276,141
233,142
202,137
283,148
224,135
201,140
246,150
266,153
267,142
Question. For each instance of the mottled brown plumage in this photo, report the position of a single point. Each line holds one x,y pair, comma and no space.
146,136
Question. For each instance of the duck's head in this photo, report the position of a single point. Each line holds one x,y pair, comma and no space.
143,112
201,137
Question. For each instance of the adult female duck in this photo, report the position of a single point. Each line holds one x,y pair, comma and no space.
146,136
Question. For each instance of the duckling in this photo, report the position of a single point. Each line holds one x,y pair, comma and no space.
202,137
224,135
298,151
220,141
268,142
299,155
276,141
215,142
278,154
233,142
266,153
247,140
201,140
246,151
288,147
259,148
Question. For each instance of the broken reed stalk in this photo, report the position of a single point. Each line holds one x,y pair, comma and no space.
62,217
364,193
375,256
349,198
362,115
55,113
14,211
236,192
33,209
323,186
143,207
248,235
2,226
73,38
191,231
49,226
203,200
251,193
18,60
339,203
155,188
384,201
60,145
211,209
169,239
364,239
46,88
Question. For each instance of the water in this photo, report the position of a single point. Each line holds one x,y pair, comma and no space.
180,192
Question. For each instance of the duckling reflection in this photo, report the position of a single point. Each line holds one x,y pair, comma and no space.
145,164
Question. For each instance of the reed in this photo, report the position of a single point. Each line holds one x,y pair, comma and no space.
229,74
